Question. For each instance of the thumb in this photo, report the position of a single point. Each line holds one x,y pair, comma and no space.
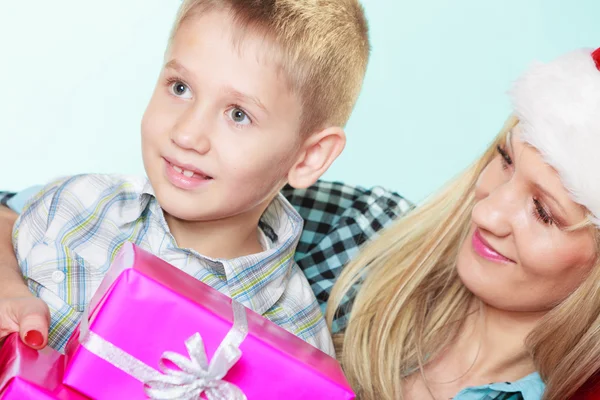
34,320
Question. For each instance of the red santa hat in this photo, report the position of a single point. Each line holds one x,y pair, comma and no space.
558,106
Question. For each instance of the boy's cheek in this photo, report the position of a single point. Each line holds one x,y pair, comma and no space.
262,173
246,162
154,123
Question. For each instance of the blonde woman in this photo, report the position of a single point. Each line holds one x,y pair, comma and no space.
496,278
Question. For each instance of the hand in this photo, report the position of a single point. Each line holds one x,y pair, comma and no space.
27,315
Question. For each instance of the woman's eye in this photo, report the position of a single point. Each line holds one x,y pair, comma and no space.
541,214
505,158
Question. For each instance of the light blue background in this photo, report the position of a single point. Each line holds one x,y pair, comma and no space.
75,77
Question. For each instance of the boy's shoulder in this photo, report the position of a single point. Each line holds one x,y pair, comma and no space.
89,191
90,187
99,183
70,209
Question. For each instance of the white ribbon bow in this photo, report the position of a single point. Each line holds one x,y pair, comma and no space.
193,376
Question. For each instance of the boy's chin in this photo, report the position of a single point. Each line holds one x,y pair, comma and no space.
194,215
182,205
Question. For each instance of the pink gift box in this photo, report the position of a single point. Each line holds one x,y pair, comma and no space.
146,306
26,373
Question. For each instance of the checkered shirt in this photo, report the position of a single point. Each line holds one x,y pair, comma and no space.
338,219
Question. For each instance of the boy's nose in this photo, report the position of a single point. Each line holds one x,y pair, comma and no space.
192,128
188,140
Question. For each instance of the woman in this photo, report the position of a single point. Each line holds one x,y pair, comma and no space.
497,278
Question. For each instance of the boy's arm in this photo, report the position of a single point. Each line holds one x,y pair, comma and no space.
11,281
20,310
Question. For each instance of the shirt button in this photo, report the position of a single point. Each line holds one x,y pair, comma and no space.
58,276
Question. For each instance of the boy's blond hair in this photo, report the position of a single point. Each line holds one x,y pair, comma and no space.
323,49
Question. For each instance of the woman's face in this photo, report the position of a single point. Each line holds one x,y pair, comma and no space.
518,255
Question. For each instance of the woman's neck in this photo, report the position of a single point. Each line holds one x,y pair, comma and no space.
494,343
489,348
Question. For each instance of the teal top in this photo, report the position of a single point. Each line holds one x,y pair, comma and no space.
530,387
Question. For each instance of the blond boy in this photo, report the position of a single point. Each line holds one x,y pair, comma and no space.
253,95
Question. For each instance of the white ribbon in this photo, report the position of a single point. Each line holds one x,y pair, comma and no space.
193,376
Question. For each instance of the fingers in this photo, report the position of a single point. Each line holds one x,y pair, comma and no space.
33,318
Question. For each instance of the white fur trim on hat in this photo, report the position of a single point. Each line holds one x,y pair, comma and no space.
558,106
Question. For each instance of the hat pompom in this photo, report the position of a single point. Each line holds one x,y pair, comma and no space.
596,57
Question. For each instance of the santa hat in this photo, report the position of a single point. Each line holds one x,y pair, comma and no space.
558,106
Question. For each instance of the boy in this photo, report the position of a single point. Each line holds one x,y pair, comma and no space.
252,96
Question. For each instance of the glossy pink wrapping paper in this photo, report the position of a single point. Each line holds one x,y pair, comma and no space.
30,374
146,306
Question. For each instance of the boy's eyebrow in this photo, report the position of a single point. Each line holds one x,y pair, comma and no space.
174,64
247,98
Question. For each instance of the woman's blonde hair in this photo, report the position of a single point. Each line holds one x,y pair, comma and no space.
411,302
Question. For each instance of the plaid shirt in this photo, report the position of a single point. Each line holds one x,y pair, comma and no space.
64,267
338,219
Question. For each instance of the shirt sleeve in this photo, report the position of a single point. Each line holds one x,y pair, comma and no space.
52,241
35,209
338,219
33,249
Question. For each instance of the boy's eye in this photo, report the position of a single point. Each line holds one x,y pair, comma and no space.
180,89
238,116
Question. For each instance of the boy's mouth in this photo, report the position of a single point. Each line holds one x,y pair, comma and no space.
188,171
190,174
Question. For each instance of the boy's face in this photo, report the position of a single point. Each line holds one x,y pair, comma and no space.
223,113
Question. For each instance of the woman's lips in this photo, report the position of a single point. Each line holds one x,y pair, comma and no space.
485,250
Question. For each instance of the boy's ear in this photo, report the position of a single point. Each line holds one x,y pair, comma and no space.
316,155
